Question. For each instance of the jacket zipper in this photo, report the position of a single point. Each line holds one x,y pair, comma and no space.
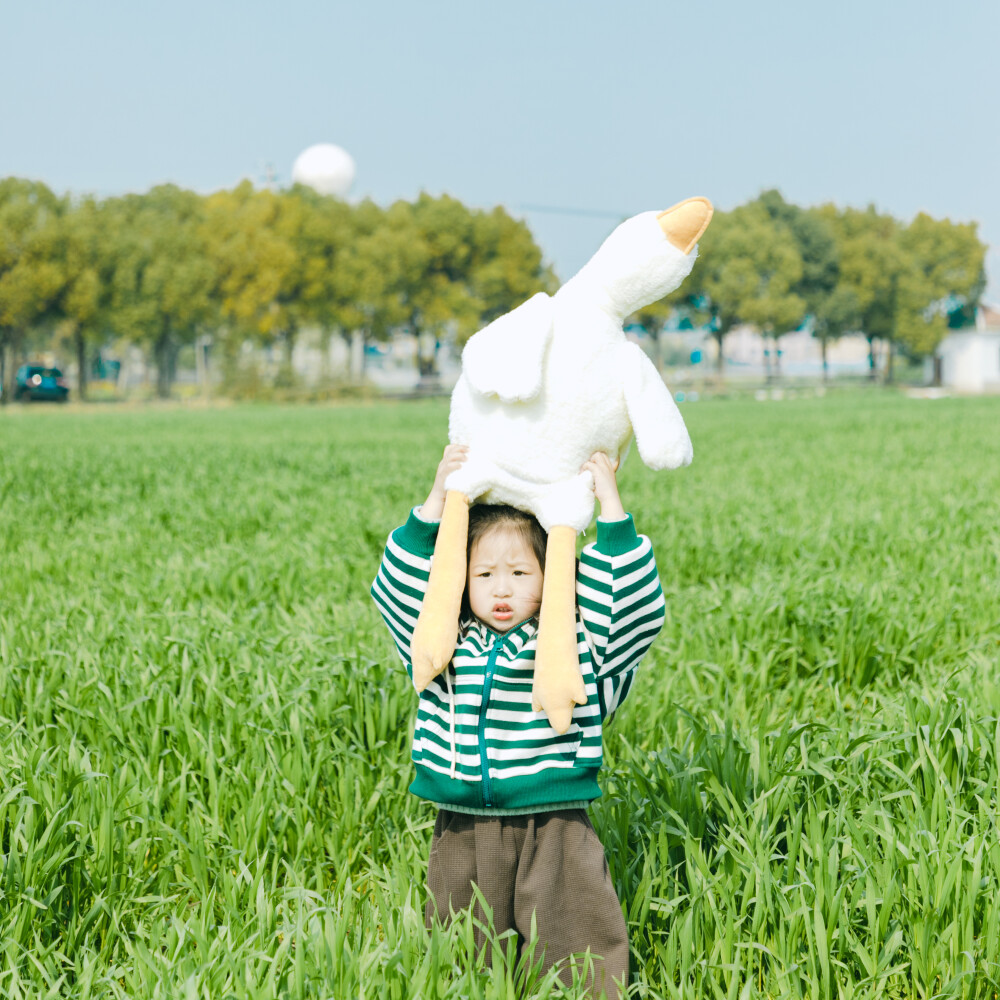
487,685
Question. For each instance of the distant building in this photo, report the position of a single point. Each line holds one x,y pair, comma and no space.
969,360
801,354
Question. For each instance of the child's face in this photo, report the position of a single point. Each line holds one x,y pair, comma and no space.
505,580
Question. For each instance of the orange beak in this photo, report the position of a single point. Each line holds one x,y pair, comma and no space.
685,222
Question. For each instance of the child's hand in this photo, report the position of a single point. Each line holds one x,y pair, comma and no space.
605,485
453,458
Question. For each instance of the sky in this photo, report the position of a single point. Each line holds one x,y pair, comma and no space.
602,109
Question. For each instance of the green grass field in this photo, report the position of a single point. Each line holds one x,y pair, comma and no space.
204,753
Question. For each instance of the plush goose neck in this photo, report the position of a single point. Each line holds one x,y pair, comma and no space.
587,290
634,266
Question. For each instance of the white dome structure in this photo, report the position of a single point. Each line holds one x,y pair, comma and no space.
326,168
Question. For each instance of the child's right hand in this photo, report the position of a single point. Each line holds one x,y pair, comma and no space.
605,485
453,458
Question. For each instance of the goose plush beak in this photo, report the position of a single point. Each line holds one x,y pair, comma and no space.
685,222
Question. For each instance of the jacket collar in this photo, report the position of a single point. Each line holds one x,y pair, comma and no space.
518,635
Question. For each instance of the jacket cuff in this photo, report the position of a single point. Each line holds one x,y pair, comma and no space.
417,536
615,538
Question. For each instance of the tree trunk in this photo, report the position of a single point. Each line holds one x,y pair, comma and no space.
161,351
888,361
201,345
284,377
123,371
4,392
826,363
718,334
357,356
81,363
426,354
324,354
10,342
871,358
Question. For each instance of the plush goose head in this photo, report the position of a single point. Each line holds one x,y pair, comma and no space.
646,257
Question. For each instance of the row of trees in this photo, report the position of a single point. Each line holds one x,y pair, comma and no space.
164,268
834,271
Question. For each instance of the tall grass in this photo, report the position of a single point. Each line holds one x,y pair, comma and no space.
205,733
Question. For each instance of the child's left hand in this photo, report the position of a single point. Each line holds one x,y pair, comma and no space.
605,485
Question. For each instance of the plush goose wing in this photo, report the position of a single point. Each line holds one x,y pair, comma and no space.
660,433
506,358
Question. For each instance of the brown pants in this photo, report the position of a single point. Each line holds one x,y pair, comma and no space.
551,864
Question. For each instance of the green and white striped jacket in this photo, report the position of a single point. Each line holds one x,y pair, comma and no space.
477,745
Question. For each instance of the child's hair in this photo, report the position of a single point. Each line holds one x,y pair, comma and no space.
484,518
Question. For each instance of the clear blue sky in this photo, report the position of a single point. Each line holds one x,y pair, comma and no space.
607,107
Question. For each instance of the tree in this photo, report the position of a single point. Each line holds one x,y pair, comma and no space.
320,231
372,278
437,290
943,277
834,315
817,247
506,267
30,277
871,262
816,243
85,259
161,276
441,268
252,262
746,270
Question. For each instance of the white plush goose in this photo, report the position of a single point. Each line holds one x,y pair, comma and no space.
542,388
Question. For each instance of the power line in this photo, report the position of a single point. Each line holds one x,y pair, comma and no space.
595,213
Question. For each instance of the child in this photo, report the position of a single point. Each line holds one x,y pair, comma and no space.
511,792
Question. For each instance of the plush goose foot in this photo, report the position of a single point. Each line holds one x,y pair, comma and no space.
433,643
558,683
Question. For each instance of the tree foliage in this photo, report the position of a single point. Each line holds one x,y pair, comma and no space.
943,275
779,267
746,272
160,269
30,275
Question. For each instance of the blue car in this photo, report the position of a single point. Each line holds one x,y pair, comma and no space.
39,382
